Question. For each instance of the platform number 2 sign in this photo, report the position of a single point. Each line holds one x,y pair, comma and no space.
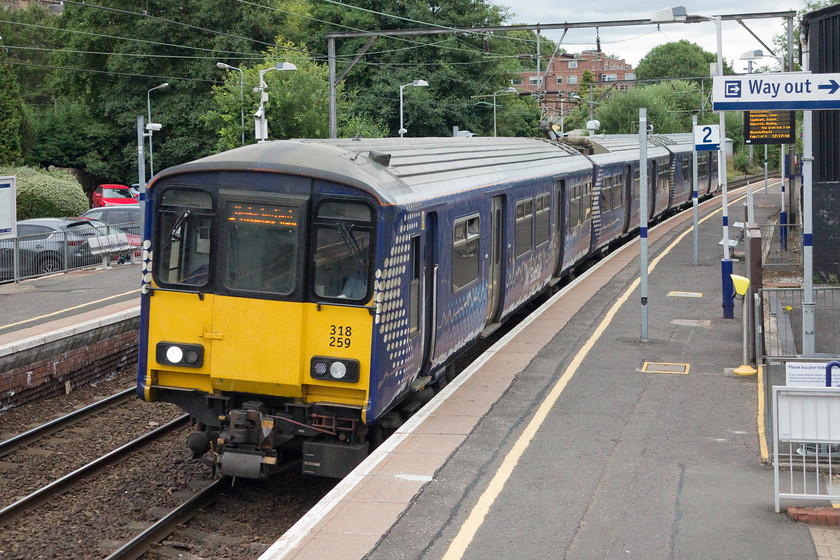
707,137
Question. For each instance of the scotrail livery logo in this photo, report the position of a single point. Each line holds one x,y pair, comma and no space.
732,88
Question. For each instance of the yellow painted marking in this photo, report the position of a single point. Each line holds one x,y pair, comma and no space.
665,367
685,294
462,540
762,438
69,309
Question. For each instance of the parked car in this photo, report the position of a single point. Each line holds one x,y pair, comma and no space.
47,245
125,217
112,195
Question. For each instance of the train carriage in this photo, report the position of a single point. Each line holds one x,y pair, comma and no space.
296,292
299,297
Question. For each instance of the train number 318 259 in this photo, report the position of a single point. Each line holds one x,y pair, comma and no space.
340,336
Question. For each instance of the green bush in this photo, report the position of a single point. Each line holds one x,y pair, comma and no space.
741,161
46,194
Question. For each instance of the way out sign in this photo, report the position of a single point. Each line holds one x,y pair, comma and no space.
707,137
793,91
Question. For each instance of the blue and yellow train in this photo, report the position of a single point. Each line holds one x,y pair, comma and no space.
297,294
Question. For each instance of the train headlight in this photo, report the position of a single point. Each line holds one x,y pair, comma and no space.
176,354
334,369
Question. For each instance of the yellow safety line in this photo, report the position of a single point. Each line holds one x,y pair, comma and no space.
762,438
68,309
465,536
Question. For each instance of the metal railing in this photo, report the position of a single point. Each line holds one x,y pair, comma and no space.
781,317
806,449
51,252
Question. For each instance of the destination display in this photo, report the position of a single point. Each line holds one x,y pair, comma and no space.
769,127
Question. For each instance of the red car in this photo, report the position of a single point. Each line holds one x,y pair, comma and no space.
112,195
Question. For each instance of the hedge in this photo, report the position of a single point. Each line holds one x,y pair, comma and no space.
46,194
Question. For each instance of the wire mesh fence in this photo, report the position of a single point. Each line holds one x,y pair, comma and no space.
42,249
782,321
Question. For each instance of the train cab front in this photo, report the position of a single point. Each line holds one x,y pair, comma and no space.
255,319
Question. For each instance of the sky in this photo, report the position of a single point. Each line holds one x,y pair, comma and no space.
632,43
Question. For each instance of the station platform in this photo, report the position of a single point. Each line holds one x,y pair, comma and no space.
44,305
572,438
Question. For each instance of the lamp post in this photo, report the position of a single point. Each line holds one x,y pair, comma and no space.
415,83
224,66
149,114
506,90
260,122
679,14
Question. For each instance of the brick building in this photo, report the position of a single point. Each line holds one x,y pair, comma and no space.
565,73
53,6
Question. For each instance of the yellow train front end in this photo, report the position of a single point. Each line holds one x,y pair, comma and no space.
255,321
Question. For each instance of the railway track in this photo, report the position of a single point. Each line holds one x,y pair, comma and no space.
57,487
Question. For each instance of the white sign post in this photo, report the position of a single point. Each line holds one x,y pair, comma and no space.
8,207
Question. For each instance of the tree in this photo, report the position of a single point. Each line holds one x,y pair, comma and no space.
458,67
12,121
30,35
680,59
669,108
114,55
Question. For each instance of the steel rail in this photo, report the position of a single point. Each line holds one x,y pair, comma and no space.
165,526
138,546
13,444
66,482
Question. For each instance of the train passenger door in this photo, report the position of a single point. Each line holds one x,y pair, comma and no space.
559,216
627,189
429,290
652,182
494,278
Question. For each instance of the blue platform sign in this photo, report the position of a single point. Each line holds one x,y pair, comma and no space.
790,91
707,137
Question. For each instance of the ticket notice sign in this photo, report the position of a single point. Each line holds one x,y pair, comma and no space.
8,214
769,127
809,374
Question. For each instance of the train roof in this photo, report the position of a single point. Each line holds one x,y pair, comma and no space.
401,170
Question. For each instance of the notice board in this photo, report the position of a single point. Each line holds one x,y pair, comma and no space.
769,127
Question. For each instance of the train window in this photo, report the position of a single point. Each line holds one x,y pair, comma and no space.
465,250
414,286
636,181
524,226
343,231
185,227
606,193
615,199
586,202
542,223
261,247
574,206
686,165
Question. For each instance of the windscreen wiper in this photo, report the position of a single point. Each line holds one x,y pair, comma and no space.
352,244
175,233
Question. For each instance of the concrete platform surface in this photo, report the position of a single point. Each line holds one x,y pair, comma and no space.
572,438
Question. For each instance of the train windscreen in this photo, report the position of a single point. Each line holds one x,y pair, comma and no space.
261,247
185,224
343,232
